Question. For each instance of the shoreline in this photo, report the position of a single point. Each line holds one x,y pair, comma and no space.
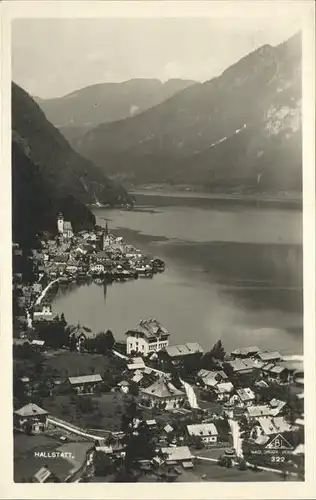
241,197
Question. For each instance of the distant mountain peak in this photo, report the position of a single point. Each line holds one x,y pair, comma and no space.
107,102
198,136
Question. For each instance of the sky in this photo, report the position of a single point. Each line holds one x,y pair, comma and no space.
53,57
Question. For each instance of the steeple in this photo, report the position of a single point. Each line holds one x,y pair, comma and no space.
106,229
60,223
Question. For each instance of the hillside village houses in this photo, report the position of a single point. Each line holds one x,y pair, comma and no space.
147,337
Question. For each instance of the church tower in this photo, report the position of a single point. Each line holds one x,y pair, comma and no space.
60,223
105,242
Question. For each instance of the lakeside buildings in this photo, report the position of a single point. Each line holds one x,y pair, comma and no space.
147,337
233,382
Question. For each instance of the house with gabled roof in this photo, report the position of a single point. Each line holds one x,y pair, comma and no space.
147,337
246,396
269,356
180,352
45,475
162,391
206,431
245,352
30,416
85,384
239,366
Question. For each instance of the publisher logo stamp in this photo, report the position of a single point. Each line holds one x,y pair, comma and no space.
279,443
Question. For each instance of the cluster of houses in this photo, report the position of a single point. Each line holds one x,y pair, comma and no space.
70,257
148,353
96,254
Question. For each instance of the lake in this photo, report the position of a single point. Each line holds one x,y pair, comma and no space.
233,271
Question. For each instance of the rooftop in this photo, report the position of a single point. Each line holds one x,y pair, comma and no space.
269,355
178,453
202,429
168,428
184,349
137,377
224,387
238,365
38,342
149,328
245,351
277,369
30,409
42,475
246,394
79,331
274,425
259,411
83,379
162,389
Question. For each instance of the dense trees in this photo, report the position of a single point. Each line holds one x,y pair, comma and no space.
102,464
101,344
55,333
210,360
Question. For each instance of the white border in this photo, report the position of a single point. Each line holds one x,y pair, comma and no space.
221,9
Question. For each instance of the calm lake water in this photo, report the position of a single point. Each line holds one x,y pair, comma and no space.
233,271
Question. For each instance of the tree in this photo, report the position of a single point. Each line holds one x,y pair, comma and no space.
242,465
139,445
211,358
63,320
133,388
84,404
198,442
72,343
225,461
102,464
218,351
104,342
19,389
55,334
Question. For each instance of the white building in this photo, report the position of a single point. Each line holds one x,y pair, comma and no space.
246,396
207,432
270,426
148,337
43,313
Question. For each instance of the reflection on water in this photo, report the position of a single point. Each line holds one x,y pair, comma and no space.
231,273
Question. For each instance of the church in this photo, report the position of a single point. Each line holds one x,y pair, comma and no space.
64,227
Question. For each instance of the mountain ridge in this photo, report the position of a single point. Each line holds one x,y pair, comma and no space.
49,177
85,108
189,138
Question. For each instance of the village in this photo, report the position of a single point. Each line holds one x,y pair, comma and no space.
141,408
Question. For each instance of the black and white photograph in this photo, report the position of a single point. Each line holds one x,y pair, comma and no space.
158,308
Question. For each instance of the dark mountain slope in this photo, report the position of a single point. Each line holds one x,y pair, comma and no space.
76,113
240,130
36,202
68,172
